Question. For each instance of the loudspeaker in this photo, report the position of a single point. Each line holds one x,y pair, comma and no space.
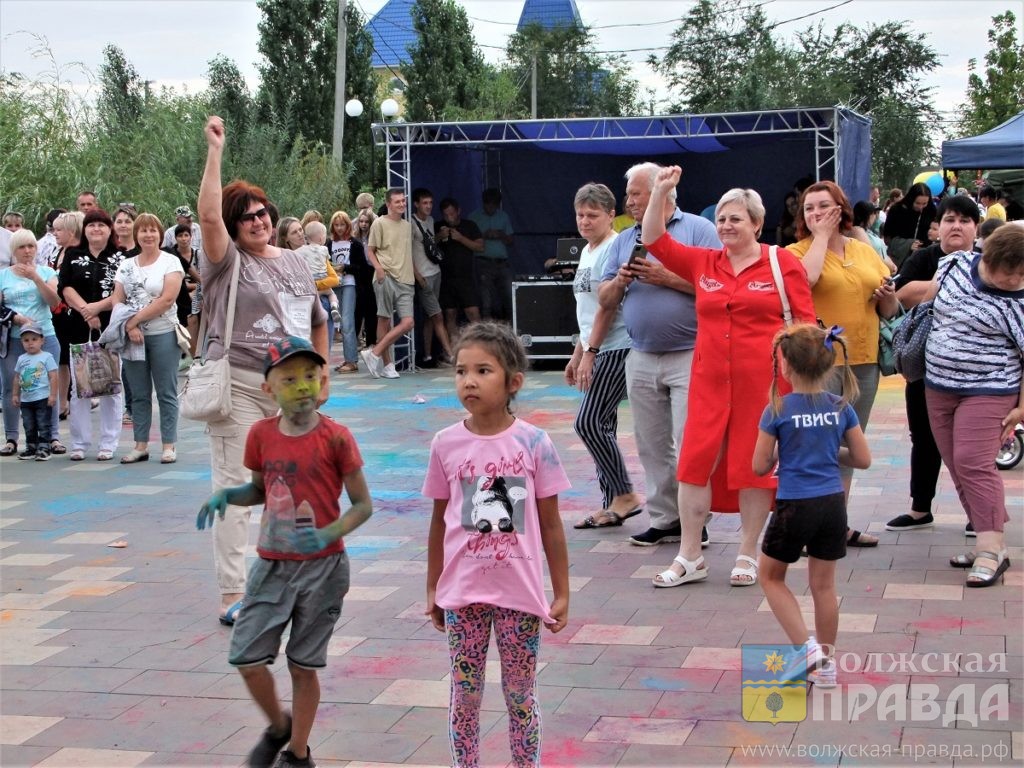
544,318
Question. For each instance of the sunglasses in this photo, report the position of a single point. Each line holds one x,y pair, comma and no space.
247,218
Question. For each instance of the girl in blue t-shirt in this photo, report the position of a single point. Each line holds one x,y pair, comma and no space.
809,433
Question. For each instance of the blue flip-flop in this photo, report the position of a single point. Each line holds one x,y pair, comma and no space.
231,614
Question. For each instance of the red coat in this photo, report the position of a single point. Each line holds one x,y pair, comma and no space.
737,318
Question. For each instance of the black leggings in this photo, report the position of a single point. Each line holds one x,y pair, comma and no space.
925,461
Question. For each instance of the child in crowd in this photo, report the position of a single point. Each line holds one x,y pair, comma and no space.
807,427
34,390
318,257
495,481
300,461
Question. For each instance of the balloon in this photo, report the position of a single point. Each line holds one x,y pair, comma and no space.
709,213
933,180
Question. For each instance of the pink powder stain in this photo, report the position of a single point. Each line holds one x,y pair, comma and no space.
939,622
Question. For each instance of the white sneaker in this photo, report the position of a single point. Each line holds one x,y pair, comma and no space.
824,676
374,364
389,372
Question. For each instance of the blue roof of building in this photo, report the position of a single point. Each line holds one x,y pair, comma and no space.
393,33
550,14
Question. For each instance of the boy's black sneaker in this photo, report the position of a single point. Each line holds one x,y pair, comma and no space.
265,752
29,454
287,759
969,531
654,536
42,455
910,523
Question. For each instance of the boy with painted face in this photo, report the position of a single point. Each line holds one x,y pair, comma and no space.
300,461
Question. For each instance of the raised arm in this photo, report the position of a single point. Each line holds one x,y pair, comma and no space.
211,222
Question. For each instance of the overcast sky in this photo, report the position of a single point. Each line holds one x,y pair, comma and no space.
171,41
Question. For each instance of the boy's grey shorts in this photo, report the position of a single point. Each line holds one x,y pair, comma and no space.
308,593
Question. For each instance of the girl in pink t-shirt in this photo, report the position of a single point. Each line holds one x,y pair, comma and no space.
495,481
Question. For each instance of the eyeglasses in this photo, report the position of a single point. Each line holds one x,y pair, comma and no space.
247,218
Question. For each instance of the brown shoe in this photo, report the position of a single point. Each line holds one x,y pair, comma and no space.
347,368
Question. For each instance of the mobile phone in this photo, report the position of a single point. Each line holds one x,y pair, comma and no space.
891,280
639,254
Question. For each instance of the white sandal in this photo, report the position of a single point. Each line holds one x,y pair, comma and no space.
693,570
739,575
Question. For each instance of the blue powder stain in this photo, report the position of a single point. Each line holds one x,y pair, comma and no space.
657,684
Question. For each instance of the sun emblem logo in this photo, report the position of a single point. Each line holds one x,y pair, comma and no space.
774,662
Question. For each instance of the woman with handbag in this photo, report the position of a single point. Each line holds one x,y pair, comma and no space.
851,289
906,224
149,284
271,294
85,283
67,231
27,292
974,385
743,293
349,259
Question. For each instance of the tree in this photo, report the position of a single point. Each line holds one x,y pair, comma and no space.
995,95
573,79
726,57
120,104
443,73
360,83
298,41
229,95
723,61
774,703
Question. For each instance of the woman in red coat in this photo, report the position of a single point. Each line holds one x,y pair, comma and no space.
739,309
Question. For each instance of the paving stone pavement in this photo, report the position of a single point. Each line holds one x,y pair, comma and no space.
113,657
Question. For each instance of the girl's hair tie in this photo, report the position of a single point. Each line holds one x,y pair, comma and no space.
833,334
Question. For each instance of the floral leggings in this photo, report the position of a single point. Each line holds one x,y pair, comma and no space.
517,635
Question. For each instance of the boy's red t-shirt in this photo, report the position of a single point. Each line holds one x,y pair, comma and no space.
303,477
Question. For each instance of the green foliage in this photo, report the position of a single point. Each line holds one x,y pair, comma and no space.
725,56
120,104
573,79
360,83
996,94
443,75
298,41
53,144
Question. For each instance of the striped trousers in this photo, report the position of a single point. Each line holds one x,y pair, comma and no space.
597,423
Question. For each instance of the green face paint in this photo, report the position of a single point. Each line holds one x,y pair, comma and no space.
296,385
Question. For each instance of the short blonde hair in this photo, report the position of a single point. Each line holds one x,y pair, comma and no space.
317,230
21,237
364,200
72,222
749,199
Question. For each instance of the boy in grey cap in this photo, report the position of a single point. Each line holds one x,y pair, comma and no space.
34,391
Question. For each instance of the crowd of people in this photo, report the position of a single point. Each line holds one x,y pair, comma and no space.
750,371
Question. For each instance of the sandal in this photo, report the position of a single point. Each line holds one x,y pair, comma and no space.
857,539
982,575
169,456
964,560
693,570
744,577
57,448
104,455
229,616
593,521
77,455
134,456
10,448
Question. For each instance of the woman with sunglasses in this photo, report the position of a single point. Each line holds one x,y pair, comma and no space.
275,297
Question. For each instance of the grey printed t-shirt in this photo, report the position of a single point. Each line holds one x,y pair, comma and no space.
276,298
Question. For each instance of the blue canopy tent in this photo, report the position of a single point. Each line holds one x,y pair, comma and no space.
1002,147
539,164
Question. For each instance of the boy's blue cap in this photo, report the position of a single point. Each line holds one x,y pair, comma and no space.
32,328
290,346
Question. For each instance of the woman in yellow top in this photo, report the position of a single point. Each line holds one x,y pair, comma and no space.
851,289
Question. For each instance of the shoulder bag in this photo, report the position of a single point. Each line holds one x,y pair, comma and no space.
206,393
886,331
780,285
911,336
430,249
